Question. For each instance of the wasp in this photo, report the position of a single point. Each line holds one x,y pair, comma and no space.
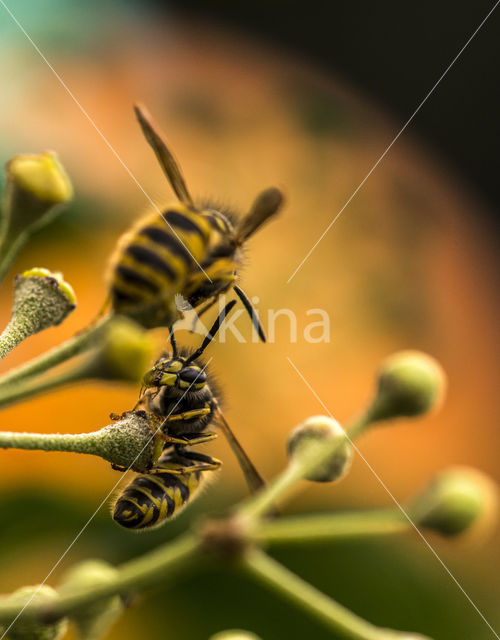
191,250
180,394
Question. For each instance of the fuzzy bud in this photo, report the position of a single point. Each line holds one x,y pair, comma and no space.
128,443
410,383
234,634
42,299
24,629
313,436
124,352
93,621
456,499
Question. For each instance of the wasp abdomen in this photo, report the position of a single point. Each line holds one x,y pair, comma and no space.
152,498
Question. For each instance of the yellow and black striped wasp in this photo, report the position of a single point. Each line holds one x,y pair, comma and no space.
190,250
180,394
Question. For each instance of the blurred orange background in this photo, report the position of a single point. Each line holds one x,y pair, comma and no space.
408,264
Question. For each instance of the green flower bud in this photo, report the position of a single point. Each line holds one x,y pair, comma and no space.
409,384
234,634
124,352
24,629
42,299
314,436
93,621
456,499
35,185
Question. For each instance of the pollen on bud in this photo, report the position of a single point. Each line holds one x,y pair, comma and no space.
455,500
313,439
234,634
410,383
124,353
42,299
42,176
25,629
93,621
35,185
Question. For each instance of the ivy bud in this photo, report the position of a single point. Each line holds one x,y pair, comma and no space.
456,499
123,353
234,634
409,384
26,629
35,185
310,442
42,299
93,621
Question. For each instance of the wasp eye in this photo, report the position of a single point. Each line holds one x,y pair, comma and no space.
193,375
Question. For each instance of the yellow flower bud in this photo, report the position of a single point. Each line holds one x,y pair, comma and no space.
124,352
42,299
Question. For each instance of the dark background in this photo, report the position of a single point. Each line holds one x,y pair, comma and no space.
394,52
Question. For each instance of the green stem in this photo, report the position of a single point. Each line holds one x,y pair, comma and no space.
317,455
70,442
72,347
153,568
14,247
331,613
12,335
14,393
335,526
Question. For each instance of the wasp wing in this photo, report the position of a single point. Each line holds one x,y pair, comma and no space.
165,157
266,205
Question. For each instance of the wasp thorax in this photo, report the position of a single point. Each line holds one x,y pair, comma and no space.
175,373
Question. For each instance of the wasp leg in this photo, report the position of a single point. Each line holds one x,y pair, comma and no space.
118,467
203,466
203,463
187,415
187,441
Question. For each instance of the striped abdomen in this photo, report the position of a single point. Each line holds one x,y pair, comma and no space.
153,261
152,498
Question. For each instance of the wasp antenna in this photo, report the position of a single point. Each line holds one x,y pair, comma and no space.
212,333
266,205
251,312
167,161
173,342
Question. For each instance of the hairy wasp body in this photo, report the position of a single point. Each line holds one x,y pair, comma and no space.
188,250
179,394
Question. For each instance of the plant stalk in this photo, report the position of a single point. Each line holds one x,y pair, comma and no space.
152,568
334,526
336,617
72,347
